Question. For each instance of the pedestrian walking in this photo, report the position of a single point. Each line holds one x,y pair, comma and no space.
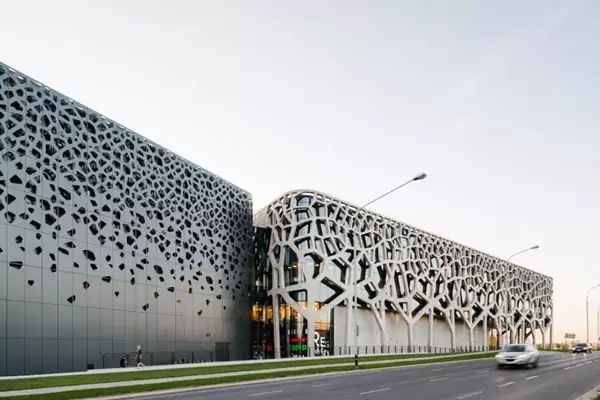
139,354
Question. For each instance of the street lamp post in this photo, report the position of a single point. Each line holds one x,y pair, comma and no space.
598,327
587,313
419,177
506,299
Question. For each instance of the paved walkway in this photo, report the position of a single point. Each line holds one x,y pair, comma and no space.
220,363
60,389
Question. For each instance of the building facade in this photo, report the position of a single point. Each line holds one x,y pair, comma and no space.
108,241
413,288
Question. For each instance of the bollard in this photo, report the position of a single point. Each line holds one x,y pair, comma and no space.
356,360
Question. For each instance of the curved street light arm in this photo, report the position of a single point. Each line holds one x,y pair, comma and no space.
355,267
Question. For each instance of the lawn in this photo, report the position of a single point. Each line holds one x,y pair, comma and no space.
35,383
231,379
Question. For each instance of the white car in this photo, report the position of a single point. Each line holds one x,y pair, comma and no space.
582,348
522,355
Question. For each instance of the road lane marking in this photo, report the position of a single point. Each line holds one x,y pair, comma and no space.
482,372
438,379
322,384
507,384
533,377
589,362
374,391
566,368
466,396
264,393
579,365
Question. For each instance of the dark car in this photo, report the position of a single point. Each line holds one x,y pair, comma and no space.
582,348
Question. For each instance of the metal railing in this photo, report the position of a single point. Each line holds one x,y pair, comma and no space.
112,360
379,349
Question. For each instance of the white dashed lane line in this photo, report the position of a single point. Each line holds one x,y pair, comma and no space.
264,393
532,377
466,396
482,372
506,384
438,379
321,385
374,391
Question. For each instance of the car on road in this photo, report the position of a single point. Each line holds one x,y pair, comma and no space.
582,348
518,355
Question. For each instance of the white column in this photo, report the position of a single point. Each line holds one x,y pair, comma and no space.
551,324
349,321
430,340
485,331
276,319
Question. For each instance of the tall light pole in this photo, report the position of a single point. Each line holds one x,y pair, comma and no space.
506,300
587,313
598,327
419,177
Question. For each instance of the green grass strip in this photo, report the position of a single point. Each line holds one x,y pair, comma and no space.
37,383
138,389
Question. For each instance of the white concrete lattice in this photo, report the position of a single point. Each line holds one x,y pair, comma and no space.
402,269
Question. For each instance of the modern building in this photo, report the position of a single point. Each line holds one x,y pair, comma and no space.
414,288
108,240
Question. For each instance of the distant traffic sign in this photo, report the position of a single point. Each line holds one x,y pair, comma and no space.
569,336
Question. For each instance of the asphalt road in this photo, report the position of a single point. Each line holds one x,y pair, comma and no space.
558,377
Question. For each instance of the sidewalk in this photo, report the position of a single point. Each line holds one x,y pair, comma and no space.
62,389
317,360
591,395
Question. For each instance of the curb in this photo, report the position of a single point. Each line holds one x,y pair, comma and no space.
229,385
202,388
591,395
265,372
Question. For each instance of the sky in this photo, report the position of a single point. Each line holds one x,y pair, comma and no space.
496,101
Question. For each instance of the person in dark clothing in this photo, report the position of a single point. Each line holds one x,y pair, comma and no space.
124,361
139,354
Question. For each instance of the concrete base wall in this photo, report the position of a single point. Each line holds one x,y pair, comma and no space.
397,331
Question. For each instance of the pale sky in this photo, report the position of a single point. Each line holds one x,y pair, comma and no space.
497,101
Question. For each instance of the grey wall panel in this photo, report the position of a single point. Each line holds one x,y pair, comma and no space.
49,321
33,321
79,355
65,322
33,356
49,285
15,356
15,278
108,238
4,323
15,319
79,322
3,279
33,249
93,323
3,231
33,285
65,355
65,288
94,353
2,353
50,356
91,285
